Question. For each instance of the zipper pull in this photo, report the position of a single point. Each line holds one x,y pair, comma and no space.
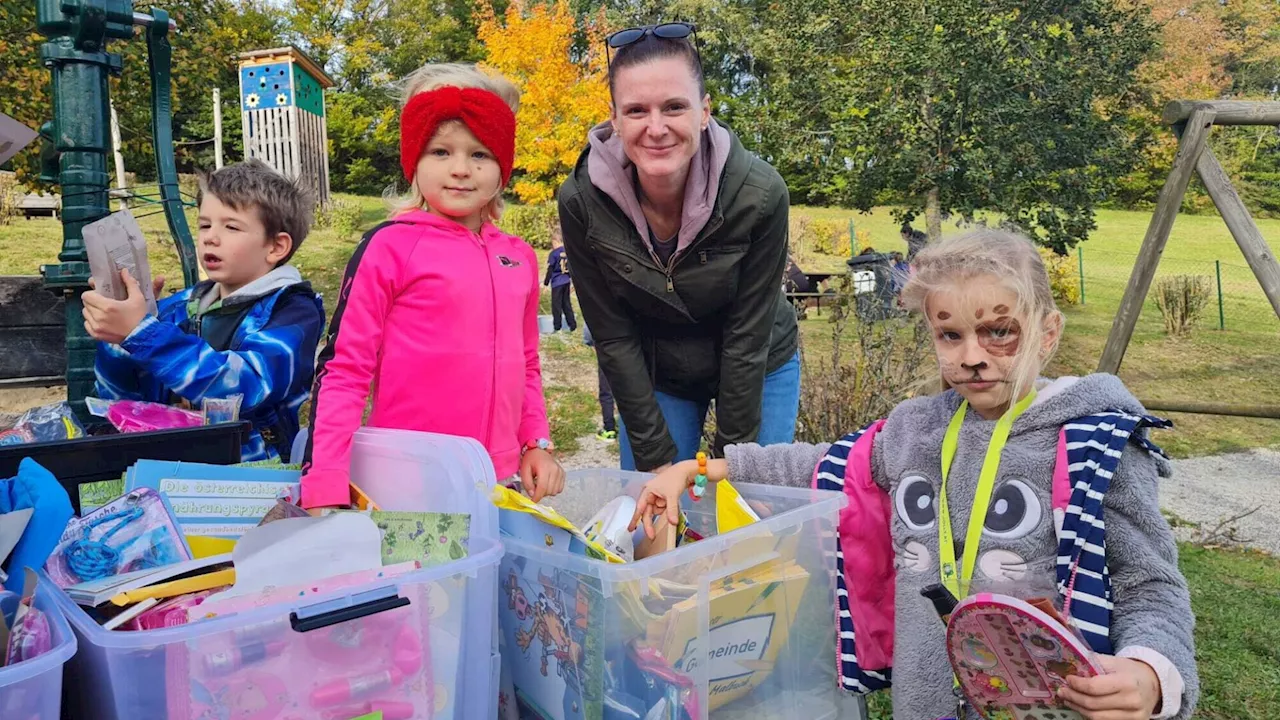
670,285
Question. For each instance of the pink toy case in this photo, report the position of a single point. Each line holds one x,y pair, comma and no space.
1011,658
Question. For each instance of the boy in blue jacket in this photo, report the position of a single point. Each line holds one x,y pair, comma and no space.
250,329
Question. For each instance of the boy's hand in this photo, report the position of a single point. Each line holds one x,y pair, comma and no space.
662,494
540,474
112,320
1129,691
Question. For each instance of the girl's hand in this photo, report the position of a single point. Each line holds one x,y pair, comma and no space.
1129,691
662,494
540,474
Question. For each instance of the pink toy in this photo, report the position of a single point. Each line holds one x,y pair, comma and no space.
1011,658
270,671
129,416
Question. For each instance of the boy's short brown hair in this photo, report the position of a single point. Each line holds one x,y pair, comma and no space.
282,205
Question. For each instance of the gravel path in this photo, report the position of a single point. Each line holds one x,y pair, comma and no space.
1207,490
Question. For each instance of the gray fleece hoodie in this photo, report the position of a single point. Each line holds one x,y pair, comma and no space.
1151,620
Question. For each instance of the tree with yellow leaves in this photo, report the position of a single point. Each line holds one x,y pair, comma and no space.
562,97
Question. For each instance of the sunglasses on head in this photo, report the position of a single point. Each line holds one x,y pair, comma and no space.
666,31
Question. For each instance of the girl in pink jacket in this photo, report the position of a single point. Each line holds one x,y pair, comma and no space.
438,308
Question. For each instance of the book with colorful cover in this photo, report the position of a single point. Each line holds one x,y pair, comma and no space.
1011,657
430,538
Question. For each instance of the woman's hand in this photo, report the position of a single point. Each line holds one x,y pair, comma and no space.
662,494
540,474
1129,691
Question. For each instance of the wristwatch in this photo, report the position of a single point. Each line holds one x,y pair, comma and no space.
539,444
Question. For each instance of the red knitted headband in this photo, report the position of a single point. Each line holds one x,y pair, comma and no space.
487,116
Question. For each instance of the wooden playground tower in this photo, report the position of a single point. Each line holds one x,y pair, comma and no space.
1192,122
283,115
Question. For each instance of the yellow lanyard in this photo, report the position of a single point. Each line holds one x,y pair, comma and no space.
959,584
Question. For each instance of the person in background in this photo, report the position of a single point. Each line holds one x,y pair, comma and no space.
915,240
609,422
901,270
557,278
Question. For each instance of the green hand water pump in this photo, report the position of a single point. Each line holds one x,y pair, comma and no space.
76,143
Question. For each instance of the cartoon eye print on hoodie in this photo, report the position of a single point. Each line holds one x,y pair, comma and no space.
916,502
1014,512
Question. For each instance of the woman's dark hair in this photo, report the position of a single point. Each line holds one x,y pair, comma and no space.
650,48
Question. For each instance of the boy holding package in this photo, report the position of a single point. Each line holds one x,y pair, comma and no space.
250,329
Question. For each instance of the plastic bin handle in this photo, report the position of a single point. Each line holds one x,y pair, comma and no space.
346,614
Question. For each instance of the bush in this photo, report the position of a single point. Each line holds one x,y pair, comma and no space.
838,394
826,237
1182,300
532,223
1064,278
341,216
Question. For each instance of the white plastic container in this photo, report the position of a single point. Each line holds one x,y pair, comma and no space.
426,472
337,638
546,325
744,620
32,689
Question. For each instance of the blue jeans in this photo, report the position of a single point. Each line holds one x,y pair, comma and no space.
685,418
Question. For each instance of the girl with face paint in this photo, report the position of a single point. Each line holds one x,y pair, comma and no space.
1002,482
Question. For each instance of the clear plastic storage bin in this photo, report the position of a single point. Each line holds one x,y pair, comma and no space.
426,472
418,645
743,622
32,689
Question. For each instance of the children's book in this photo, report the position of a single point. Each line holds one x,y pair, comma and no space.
217,500
96,592
428,537
1011,657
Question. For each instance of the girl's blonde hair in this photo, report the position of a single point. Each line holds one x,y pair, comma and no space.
1016,264
460,75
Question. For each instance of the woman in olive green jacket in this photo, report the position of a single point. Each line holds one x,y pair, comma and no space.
677,236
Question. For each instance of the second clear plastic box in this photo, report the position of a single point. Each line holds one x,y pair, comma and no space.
745,620
32,689
349,640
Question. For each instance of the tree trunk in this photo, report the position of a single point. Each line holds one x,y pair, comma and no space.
933,214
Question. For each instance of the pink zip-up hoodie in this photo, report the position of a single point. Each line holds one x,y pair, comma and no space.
443,324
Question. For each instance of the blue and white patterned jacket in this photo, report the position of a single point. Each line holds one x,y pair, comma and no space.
260,343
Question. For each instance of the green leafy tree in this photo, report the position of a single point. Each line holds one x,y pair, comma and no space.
1000,105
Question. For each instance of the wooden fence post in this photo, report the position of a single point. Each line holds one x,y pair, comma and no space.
217,129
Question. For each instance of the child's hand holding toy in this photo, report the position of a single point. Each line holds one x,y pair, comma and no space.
110,320
1130,690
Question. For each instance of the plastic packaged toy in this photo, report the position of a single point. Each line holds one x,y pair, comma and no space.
222,410
134,532
129,416
47,423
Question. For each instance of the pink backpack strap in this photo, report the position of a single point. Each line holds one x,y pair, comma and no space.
867,548
1061,490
